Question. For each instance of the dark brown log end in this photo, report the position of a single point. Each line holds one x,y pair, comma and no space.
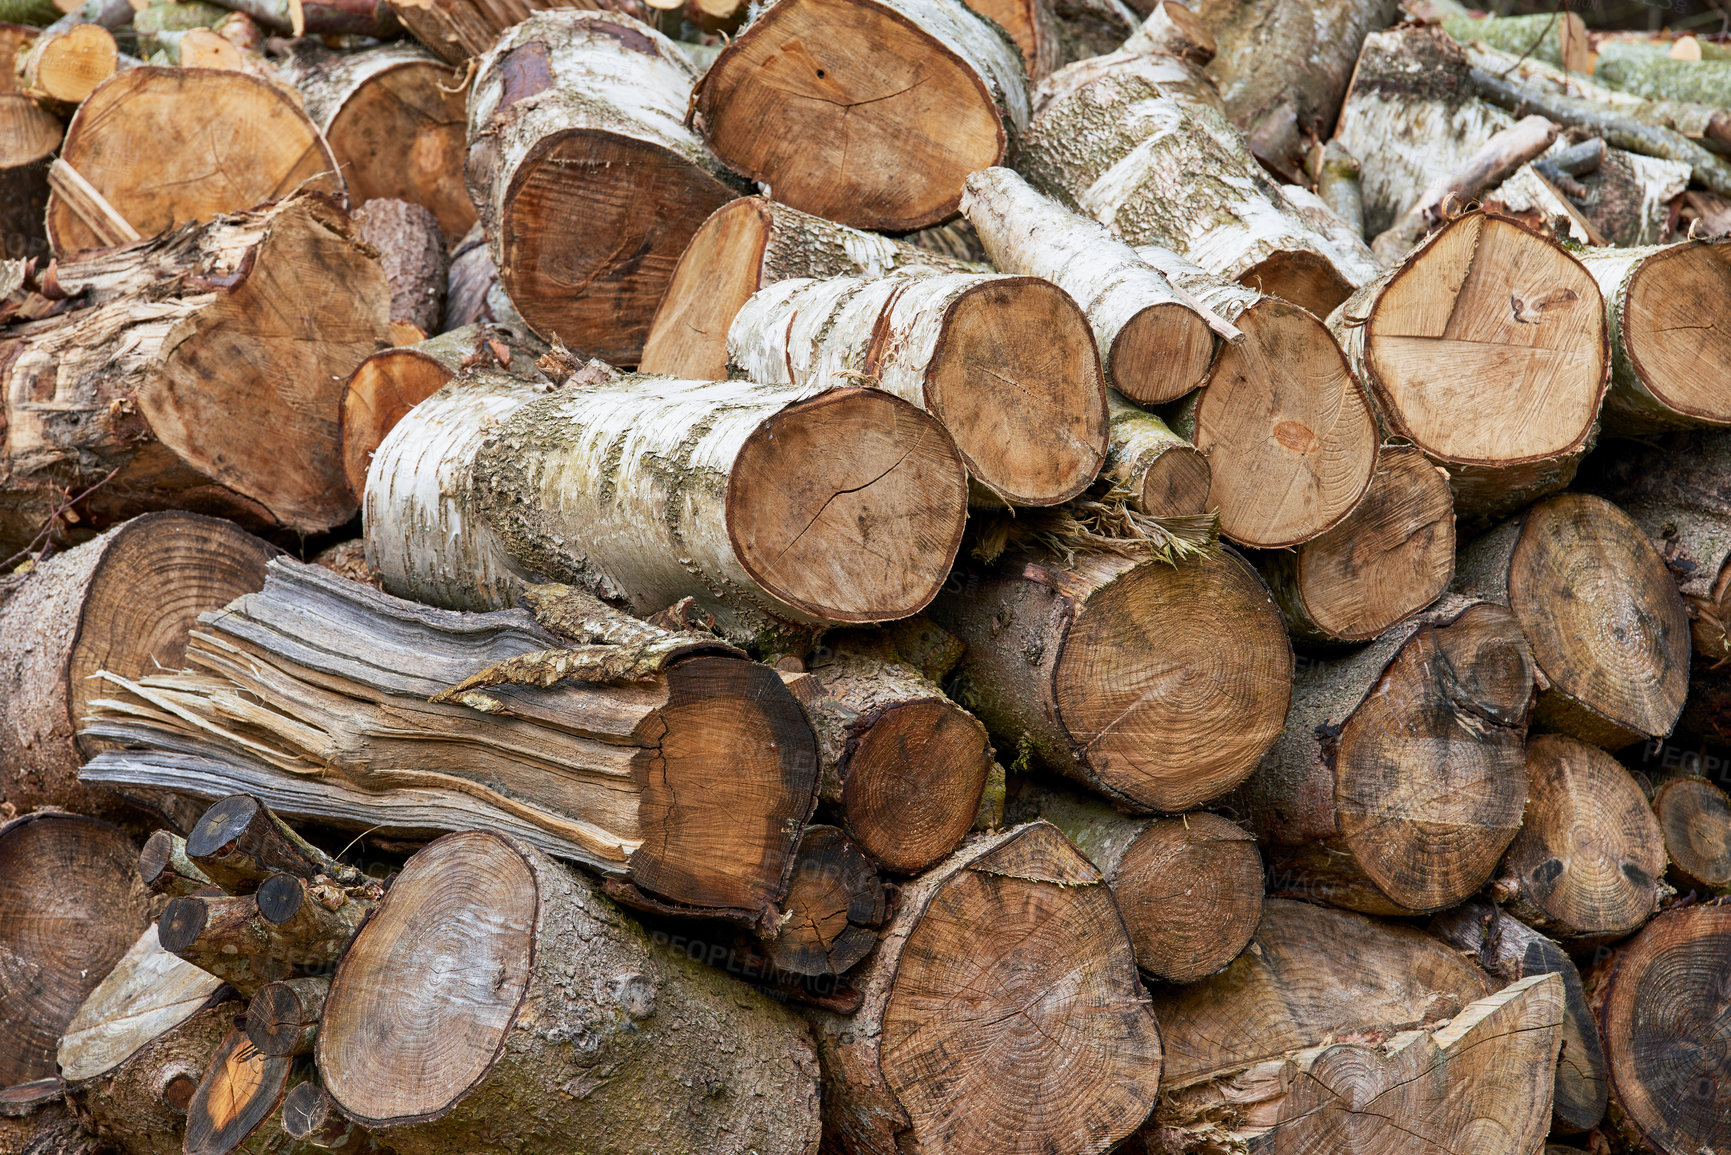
1190,890
914,782
1304,278
835,903
1695,816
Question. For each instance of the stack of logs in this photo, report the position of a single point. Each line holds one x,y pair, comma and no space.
900,577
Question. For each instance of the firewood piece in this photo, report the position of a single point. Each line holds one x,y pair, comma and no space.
369,18
1659,1000
1658,77
239,843
396,123
1398,781
140,1105
1079,663
1027,417
1574,569
412,251
1159,473
91,208
241,1089
1139,143
480,943
283,1018
749,244
1338,184
1009,943
1695,817
606,122
148,992
233,123
311,1118
1154,339
165,868
832,103
1559,39
29,136
834,906
472,293
1175,30
1512,951
1392,556
455,30
843,507
1589,861
59,871
1189,887
35,1119
1483,301
62,68
254,939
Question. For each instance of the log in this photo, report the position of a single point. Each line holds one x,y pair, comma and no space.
1589,861
1010,943
478,947
870,114
235,414
1110,136
357,18
59,871
1656,76
1028,417
149,992
472,293
241,1091
1695,818
1158,472
1398,781
1391,557
165,869
62,68
412,253
835,903
283,1017
1568,568
1512,951
1339,184
395,121
1659,999
455,30
251,940
749,244
140,1105
843,507
1175,30
1556,38
241,845
1035,27
35,1120
1159,686
1491,302
232,123
29,136
592,157
1189,887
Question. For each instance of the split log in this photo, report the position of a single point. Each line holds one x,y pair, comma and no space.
59,871
1128,138
283,1017
1695,817
1189,887
1486,349
1512,951
1392,556
478,947
1660,1001
232,123
412,253
835,904
843,507
1028,417
124,602
869,114
149,992
1608,632
1011,942
241,845
237,1099
1158,472
605,125
395,122
219,394
1589,861
62,68
140,1105
1399,779
749,244
36,1120
455,30
1160,686
1154,339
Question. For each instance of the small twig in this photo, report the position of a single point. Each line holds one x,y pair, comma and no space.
48,528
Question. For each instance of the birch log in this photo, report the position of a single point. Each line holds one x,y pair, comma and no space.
867,112
457,30
1028,416
580,116
1158,472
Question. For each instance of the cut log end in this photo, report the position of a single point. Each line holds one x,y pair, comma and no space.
1306,279
385,387
241,1089
1161,354
835,901
914,782
717,273
1673,333
1176,484
1695,816
1190,890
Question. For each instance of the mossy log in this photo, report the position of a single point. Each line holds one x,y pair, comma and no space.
1156,471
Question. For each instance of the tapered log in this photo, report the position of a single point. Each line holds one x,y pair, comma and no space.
836,903
1399,780
59,871
1484,301
455,30
1695,818
1608,632
283,1017
1512,951
844,507
867,113
412,253
606,126
36,1120
749,244
232,123
1160,686
124,602
222,397
395,121
1009,943
1189,887
164,868
1137,142
689,779
1158,472
1660,1001
1028,417
140,1105
62,68
241,845
148,993
1589,861
480,944
1392,556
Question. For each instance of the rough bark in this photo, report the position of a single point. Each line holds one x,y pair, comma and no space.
1010,944
250,941
835,104
1399,781
1695,817
1160,686
1339,184
497,960
581,116
473,294
1608,631
412,253
1656,76
36,1120
140,1105
455,30
1158,472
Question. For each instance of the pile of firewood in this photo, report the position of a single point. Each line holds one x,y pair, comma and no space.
884,576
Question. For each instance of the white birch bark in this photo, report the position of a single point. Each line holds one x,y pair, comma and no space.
327,81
